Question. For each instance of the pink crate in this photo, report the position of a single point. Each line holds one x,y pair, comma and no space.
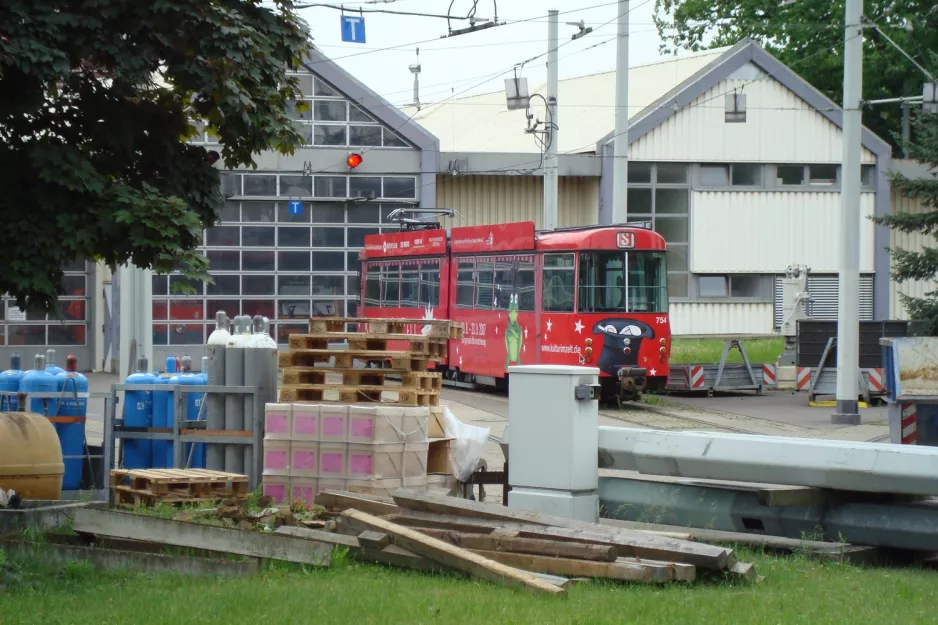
276,457
276,488
333,424
278,420
304,489
305,422
304,459
332,460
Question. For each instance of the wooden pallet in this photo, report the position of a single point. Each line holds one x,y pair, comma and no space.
425,380
366,341
147,487
339,394
438,328
345,359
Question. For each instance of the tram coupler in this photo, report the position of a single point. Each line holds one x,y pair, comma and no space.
632,381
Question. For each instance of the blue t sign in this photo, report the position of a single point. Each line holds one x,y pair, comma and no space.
296,207
353,29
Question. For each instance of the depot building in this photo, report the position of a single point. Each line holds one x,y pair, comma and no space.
734,159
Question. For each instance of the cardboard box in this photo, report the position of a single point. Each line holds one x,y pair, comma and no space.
304,459
276,458
435,424
333,424
438,455
305,426
278,421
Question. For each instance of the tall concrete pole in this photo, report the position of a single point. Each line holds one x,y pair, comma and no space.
848,317
620,151
550,160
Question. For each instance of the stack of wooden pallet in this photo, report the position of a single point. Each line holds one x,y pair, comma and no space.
148,487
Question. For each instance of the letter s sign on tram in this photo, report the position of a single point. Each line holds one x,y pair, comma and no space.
625,240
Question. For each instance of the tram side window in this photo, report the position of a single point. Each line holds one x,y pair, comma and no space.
390,286
524,283
430,285
485,284
465,284
648,286
504,284
409,286
602,282
558,282
372,286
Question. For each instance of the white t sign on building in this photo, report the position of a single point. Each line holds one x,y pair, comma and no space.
353,29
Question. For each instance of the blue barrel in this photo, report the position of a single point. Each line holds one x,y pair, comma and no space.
70,421
39,380
138,413
51,367
10,383
162,401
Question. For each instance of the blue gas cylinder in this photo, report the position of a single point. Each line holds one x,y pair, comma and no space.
10,383
138,413
51,367
70,421
193,407
162,401
39,380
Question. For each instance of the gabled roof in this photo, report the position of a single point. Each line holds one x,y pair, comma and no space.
482,123
376,106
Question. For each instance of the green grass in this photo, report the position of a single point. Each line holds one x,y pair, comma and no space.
759,350
795,590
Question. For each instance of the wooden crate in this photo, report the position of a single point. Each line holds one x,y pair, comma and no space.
345,359
421,380
438,328
174,486
366,341
361,394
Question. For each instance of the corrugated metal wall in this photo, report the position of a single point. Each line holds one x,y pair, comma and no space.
483,200
720,318
912,241
765,231
824,290
779,128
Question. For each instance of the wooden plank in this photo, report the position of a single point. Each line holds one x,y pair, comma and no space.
533,546
641,545
452,556
373,540
320,536
623,571
341,500
180,534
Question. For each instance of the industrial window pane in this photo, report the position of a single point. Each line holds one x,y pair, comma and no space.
285,330
66,335
351,307
822,174
352,260
867,175
160,309
79,265
327,213
179,284
355,114
485,279
387,209
329,111
714,175
504,285
258,261
430,285
293,261
390,286
70,310
356,236
14,313
260,184
465,284
363,214
293,236
189,334
400,187
673,229
328,308
231,307
671,201
26,335
789,174
303,112
364,135
391,140
223,260
257,285
285,217
305,83
305,131
328,237
409,295
160,285
293,309
330,186
186,310
230,185
257,236
745,285
73,286
639,203
160,334
328,261
225,285
293,285
257,212
677,257
712,286
222,236
324,89
677,285
328,135
372,286
230,212
353,286
262,307
296,186
747,175
671,173
639,172
364,186
328,285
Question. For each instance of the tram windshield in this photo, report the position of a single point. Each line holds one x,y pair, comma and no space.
634,282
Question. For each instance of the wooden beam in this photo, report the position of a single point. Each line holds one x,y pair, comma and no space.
341,500
373,540
623,571
193,535
452,556
533,546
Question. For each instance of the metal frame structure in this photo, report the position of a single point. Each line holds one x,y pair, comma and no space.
719,376
824,377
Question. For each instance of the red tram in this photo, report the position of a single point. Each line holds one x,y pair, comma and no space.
594,296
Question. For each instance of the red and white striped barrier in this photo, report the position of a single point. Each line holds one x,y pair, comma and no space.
769,375
909,424
876,380
695,376
803,381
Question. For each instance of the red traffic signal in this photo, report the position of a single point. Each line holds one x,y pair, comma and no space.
353,160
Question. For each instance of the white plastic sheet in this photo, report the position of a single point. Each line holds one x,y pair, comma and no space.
467,447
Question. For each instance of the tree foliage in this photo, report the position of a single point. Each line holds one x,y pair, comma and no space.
808,36
96,99
918,264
